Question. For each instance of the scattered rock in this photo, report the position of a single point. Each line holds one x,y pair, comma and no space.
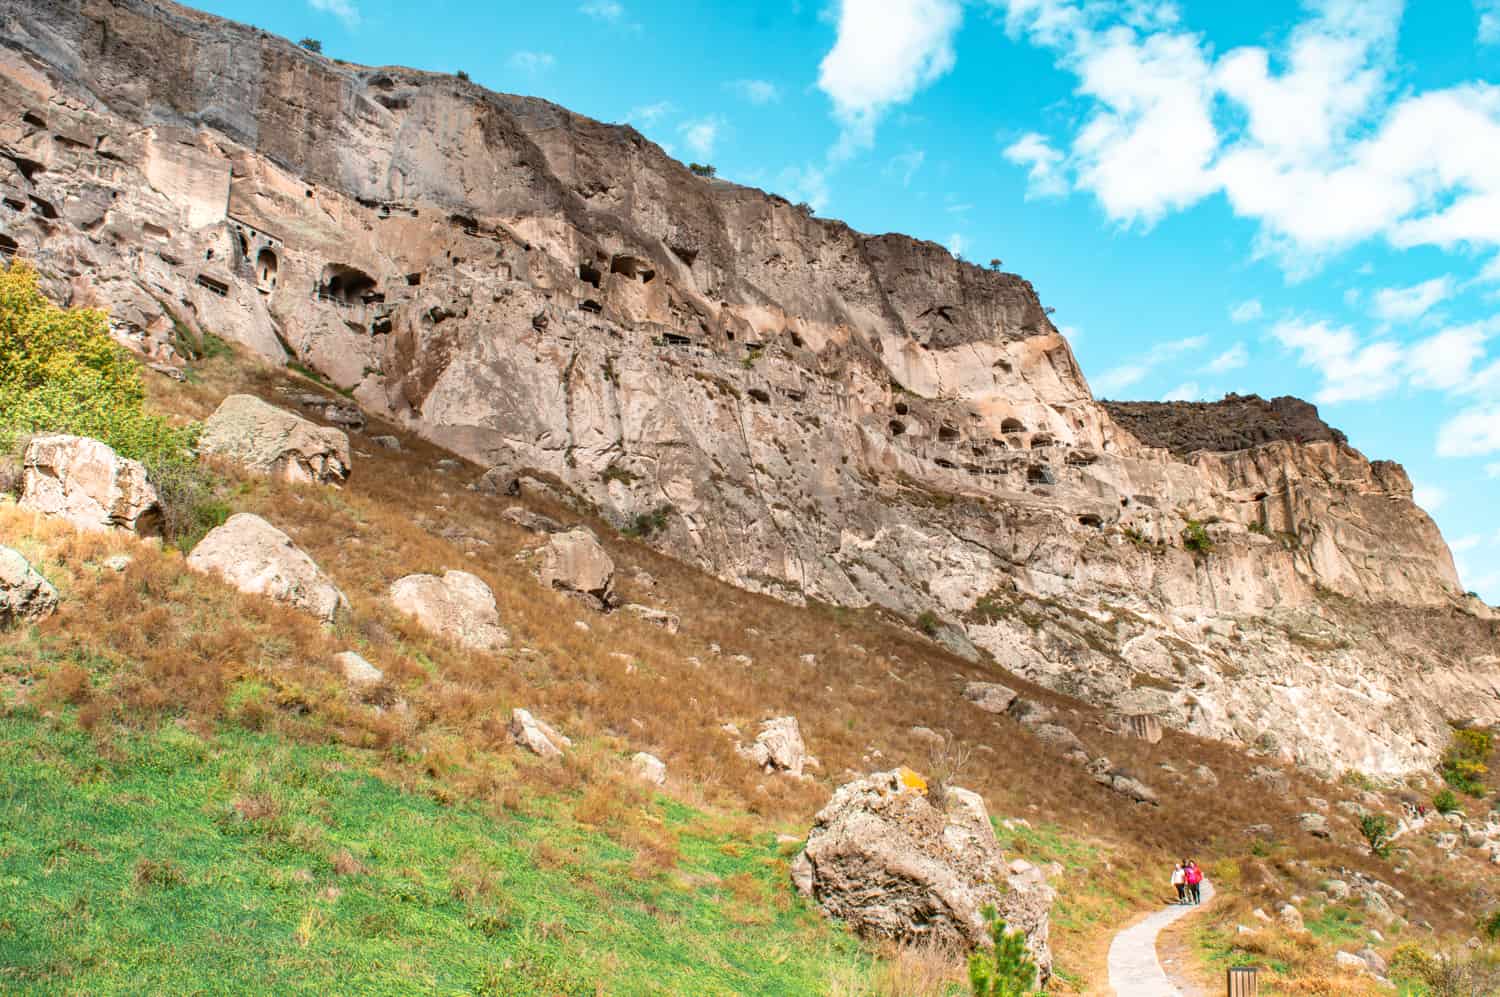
649,768
536,736
1290,917
644,579
533,521
359,673
1127,785
1273,779
257,558
989,696
118,562
1348,960
87,484
810,660
25,596
575,562
779,747
928,735
499,481
1061,738
670,622
1336,889
1314,824
458,606
272,441
883,859
387,442
1029,712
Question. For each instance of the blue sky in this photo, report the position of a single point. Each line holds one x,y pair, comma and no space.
1281,197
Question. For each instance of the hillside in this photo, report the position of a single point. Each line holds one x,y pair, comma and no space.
586,458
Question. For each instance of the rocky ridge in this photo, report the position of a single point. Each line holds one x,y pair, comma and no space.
796,407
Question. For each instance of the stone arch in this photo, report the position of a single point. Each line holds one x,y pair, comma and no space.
347,285
267,268
1012,425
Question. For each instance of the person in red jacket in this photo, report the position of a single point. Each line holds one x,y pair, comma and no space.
1194,877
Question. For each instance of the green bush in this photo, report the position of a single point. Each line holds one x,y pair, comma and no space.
703,169
60,372
1195,538
1377,831
1007,969
929,623
1490,925
1465,764
1445,802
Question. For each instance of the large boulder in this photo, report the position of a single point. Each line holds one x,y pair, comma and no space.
86,483
24,594
458,606
272,441
892,863
257,558
537,736
779,748
576,562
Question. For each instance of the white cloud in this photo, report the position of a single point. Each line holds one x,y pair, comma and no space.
701,135
650,114
885,52
1489,21
1113,381
1231,359
1492,471
532,62
608,10
1351,372
1246,311
956,244
1407,304
1311,139
1446,361
1430,497
344,10
806,183
1187,392
1043,165
1472,433
756,91
1467,543
905,165
1072,334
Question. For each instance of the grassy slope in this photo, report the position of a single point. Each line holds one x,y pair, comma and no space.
240,863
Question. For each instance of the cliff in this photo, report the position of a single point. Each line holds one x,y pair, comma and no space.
805,410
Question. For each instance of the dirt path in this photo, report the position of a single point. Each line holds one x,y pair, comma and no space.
1134,970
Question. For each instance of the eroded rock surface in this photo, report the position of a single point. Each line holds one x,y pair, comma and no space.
889,863
86,483
798,408
25,596
275,442
258,559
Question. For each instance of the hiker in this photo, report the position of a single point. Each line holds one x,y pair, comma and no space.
1194,878
1179,880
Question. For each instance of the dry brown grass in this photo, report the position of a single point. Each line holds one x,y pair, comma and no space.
178,646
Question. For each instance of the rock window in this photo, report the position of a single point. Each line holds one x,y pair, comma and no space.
948,434
1040,474
901,408
347,285
1091,521
1041,440
589,274
8,246
213,286
591,306
897,427
1012,426
631,267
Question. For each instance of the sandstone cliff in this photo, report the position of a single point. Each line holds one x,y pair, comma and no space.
804,410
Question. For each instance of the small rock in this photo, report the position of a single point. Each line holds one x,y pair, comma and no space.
1290,917
359,673
649,767
533,521
778,747
25,596
1337,889
1029,712
387,442
810,660
118,562
1314,824
1204,776
536,736
670,622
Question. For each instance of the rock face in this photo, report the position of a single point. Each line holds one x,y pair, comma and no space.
272,441
86,483
258,559
575,562
25,595
796,407
458,606
882,858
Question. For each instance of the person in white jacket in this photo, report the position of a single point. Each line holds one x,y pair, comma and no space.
1179,880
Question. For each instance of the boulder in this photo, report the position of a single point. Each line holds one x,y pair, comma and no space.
1062,739
1273,779
1142,725
1337,889
272,441
670,622
1314,824
386,442
258,559
887,861
1290,918
575,562
649,768
536,736
992,697
458,606
25,596
359,673
87,484
779,747
499,481
1029,712
1126,785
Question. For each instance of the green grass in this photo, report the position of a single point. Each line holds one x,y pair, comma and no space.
133,863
